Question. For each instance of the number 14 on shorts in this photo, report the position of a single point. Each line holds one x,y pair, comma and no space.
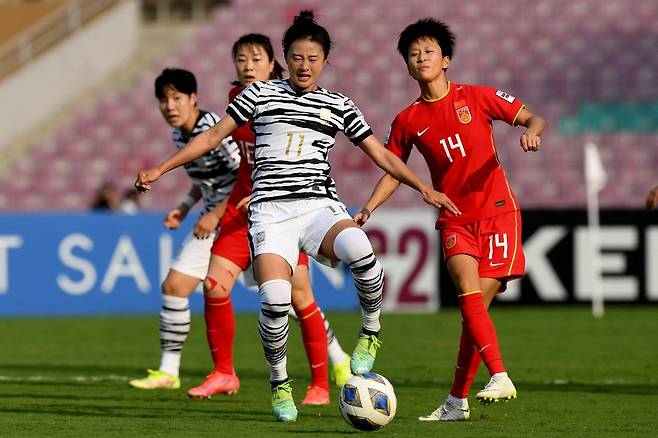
497,246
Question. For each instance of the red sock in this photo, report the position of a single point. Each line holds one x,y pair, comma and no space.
220,329
479,324
315,343
468,362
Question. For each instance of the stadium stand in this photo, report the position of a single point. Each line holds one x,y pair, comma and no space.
591,70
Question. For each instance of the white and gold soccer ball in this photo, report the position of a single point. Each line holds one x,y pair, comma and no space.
367,401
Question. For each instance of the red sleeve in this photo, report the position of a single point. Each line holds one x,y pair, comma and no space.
500,105
234,92
396,140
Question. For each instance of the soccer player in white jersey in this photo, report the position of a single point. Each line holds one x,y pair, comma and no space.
213,175
294,205
253,58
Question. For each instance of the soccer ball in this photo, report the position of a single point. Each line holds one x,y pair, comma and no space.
367,401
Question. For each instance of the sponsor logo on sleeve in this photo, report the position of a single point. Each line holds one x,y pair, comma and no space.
355,108
505,96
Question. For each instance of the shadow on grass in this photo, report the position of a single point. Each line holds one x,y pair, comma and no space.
132,411
71,370
567,386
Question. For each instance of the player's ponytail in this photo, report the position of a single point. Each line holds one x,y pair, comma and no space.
304,26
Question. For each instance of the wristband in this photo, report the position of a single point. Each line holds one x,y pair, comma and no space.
365,211
189,202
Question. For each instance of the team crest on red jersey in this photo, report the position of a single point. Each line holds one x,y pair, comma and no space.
464,114
451,241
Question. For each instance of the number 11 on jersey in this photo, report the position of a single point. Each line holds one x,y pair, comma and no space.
299,146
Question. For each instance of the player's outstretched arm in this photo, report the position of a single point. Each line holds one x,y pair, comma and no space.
386,186
198,146
390,163
652,199
530,139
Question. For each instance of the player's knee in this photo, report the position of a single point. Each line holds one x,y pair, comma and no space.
352,244
277,292
169,288
466,285
213,287
301,299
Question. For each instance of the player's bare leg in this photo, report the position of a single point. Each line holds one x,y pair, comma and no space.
220,329
174,328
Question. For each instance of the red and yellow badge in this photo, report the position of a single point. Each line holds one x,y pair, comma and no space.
451,241
463,113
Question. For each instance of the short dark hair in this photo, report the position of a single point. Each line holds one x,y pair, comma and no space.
305,27
182,80
258,39
427,28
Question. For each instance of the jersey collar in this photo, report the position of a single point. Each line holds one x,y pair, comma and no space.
436,100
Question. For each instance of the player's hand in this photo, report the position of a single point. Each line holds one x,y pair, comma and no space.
362,217
438,199
145,178
174,218
206,225
243,205
652,199
530,141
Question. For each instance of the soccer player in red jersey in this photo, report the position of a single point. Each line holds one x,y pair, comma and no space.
254,60
451,126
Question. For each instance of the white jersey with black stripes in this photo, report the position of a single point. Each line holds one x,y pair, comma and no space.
294,133
214,172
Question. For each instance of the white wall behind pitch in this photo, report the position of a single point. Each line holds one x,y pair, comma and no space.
74,65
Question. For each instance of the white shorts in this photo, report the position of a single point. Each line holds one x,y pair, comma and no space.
286,227
193,256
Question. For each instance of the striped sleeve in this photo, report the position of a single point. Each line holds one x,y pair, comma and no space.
209,120
231,153
354,124
243,108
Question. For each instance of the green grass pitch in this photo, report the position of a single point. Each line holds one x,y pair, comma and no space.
576,376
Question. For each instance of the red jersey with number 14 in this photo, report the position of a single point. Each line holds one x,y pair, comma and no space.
455,136
246,139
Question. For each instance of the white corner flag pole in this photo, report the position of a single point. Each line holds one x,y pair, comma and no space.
595,179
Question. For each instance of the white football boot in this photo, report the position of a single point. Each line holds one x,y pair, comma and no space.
499,388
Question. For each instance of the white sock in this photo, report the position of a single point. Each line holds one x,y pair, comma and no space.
459,402
273,326
336,352
353,247
170,363
174,327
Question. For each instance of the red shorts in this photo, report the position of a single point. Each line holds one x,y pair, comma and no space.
231,242
494,242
